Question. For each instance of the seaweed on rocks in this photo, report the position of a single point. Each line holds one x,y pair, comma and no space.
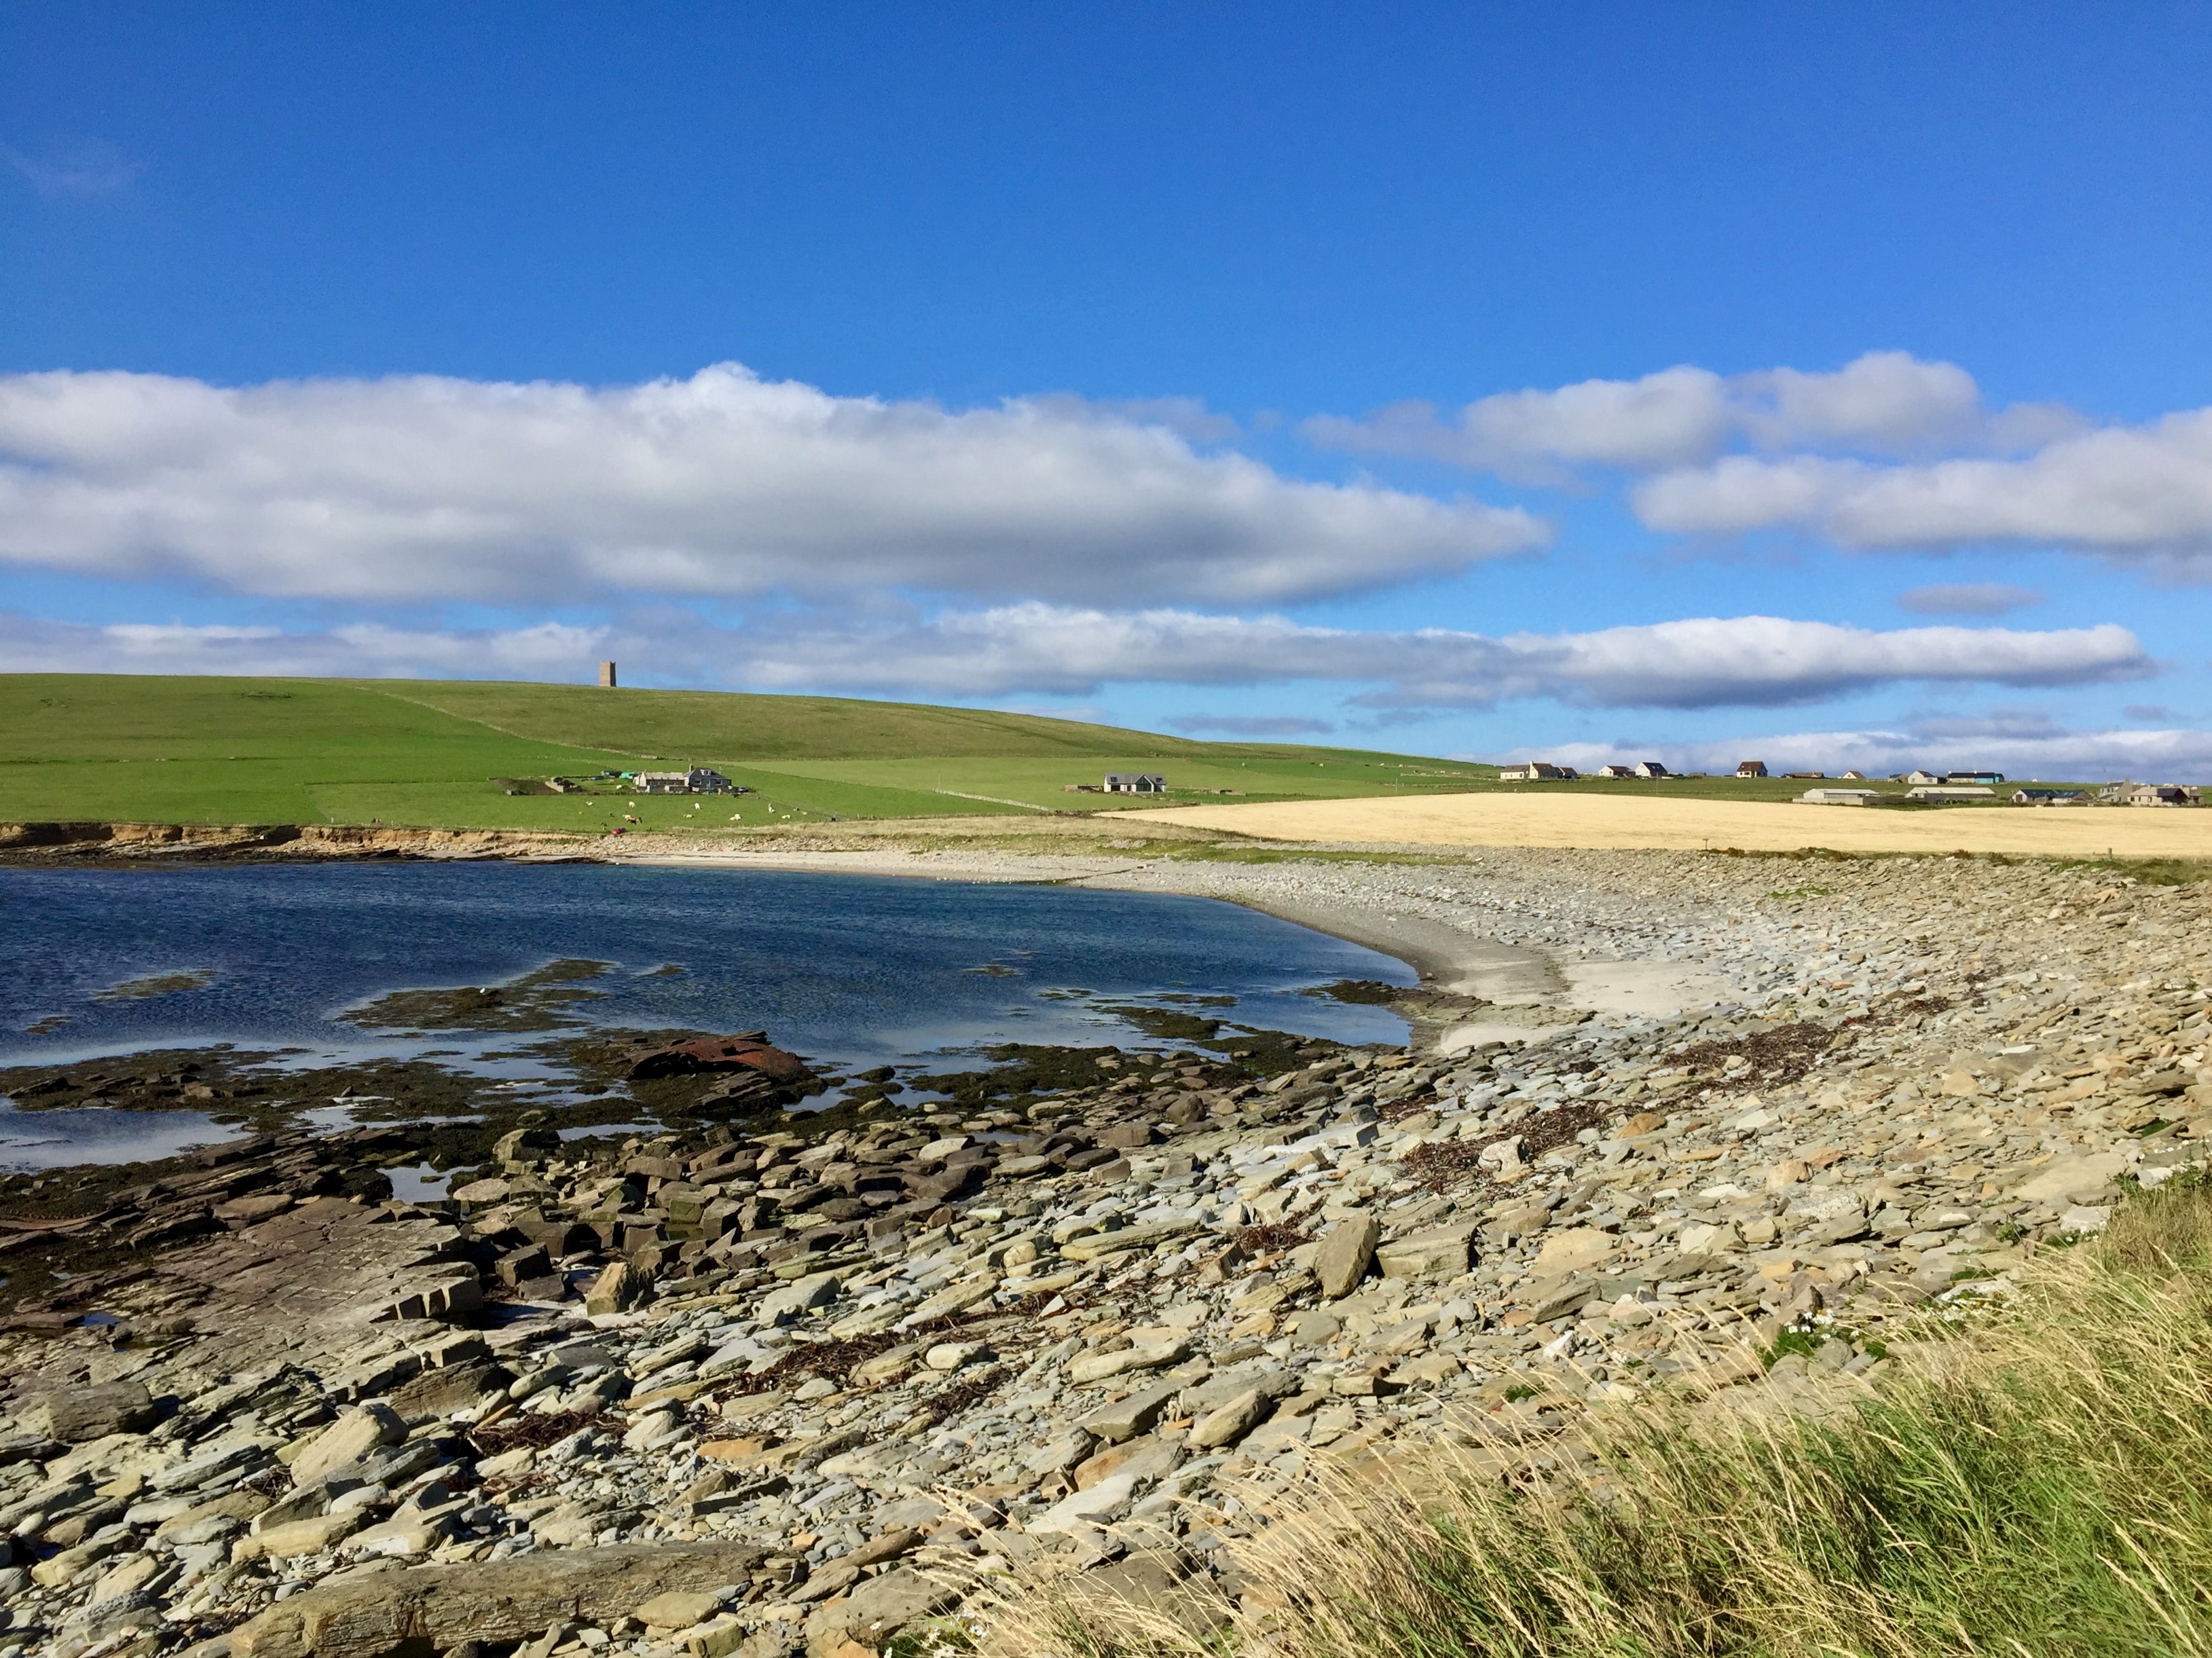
1411,1001
536,1430
1168,1024
539,1000
1453,1163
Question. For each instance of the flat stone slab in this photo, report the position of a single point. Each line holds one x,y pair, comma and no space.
369,1614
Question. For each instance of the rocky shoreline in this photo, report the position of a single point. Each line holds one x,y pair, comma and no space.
1732,1126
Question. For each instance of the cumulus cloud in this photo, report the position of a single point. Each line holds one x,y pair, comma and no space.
2022,746
1881,402
421,488
1666,419
1968,599
2140,494
1039,649
548,651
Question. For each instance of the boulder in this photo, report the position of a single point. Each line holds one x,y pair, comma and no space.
1231,1422
1344,1256
1099,1245
619,1287
1442,1252
88,1414
1127,1417
294,1537
678,1609
1572,1250
493,1601
877,1610
351,1437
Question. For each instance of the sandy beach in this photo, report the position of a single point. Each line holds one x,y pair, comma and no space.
1611,822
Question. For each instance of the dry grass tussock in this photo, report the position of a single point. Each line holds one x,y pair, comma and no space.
2035,1479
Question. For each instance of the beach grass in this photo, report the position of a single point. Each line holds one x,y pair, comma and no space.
2032,1478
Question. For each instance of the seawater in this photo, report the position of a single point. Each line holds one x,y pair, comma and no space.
851,971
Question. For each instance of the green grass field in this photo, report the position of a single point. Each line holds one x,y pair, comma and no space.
142,749
425,753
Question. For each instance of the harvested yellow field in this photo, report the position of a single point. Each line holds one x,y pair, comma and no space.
1608,822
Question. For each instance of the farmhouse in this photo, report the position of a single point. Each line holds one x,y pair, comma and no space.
1938,794
1135,782
1751,769
1840,797
2050,797
1533,770
1650,768
2147,794
698,780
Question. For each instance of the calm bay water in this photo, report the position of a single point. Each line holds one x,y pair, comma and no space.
851,971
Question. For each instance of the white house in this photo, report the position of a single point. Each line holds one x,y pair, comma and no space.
1135,782
697,780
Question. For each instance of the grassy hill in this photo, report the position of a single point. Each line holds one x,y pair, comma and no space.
192,750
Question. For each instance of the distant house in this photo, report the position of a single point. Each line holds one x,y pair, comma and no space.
1616,771
697,780
1938,794
1751,769
1135,782
1840,797
1532,771
1854,777
1986,779
2050,797
1918,779
1650,768
2147,794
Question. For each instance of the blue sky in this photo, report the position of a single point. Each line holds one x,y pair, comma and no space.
1829,383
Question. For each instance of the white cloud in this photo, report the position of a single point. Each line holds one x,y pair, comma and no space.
1884,400
549,651
1881,402
1667,419
421,488
2140,494
1052,651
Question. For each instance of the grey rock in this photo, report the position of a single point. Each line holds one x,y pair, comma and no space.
1441,1252
1229,1424
77,1414
1346,1253
1127,1417
487,1600
875,1611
